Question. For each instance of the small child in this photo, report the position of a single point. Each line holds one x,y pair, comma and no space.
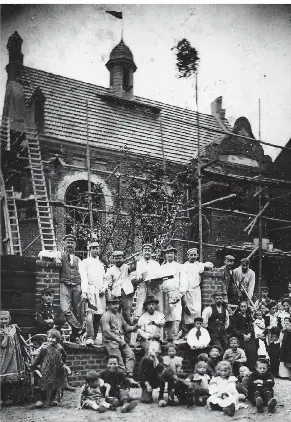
198,385
171,360
235,355
222,389
259,325
118,394
260,387
51,360
242,381
198,337
204,357
214,357
274,352
92,394
150,370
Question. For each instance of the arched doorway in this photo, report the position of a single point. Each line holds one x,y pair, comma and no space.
77,214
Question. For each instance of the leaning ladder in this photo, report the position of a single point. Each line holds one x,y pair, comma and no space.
8,193
44,216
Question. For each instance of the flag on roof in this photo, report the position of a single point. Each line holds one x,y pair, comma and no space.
117,15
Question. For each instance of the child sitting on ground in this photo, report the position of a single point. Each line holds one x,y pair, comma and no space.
118,393
242,382
235,355
260,387
198,384
222,389
92,394
259,325
214,357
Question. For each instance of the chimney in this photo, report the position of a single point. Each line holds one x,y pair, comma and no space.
217,110
15,56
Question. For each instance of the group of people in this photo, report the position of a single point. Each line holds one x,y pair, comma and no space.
236,354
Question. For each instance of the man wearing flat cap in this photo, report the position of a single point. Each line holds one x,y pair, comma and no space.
245,278
147,269
120,285
191,300
70,286
172,292
151,324
229,286
93,285
47,314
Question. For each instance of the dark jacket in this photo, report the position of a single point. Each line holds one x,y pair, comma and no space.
44,312
147,371
268,382
117,380
242,323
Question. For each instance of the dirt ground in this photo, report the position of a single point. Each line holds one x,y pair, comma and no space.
67,412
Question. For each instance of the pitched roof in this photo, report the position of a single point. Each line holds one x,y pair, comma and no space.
143,126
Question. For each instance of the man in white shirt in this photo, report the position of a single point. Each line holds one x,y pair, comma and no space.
216,320
151,325
173,289
93,286
147,269
191,300
244,276
120,286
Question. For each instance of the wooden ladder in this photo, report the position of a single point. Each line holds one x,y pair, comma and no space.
44,216
13,222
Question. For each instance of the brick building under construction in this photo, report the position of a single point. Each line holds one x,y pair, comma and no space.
48,123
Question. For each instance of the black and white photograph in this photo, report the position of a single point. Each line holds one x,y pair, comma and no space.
145,189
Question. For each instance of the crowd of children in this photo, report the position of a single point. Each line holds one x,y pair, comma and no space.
258,350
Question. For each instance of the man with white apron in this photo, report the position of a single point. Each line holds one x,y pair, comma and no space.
191,300
172,293
147,269
93,286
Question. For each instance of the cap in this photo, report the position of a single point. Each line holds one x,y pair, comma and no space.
118,253
170,249
218,293
47,291
198,319
149,245
264,288
150,299
70,237
245,261
39,338
93,244
230,257
91,376
113,299
192,250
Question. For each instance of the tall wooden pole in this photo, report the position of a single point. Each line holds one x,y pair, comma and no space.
260,209
89,171
199,173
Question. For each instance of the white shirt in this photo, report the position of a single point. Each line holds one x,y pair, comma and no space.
192,271
200,343
248,280
148,329
151,266
119,279
92,273
176,283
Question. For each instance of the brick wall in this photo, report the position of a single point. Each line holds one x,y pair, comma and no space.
47,276
211,282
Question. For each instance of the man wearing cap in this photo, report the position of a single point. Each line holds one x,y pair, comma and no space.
151,324
245,278
147,269
47,314
70,286
216,320
120,285
264,300
191,300
173,289
229,285
93,285
114,327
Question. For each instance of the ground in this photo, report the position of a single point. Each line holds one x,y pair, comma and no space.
149,412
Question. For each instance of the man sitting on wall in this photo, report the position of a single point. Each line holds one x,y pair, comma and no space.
113,329
70,287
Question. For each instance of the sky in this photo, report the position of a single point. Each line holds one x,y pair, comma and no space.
244,50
